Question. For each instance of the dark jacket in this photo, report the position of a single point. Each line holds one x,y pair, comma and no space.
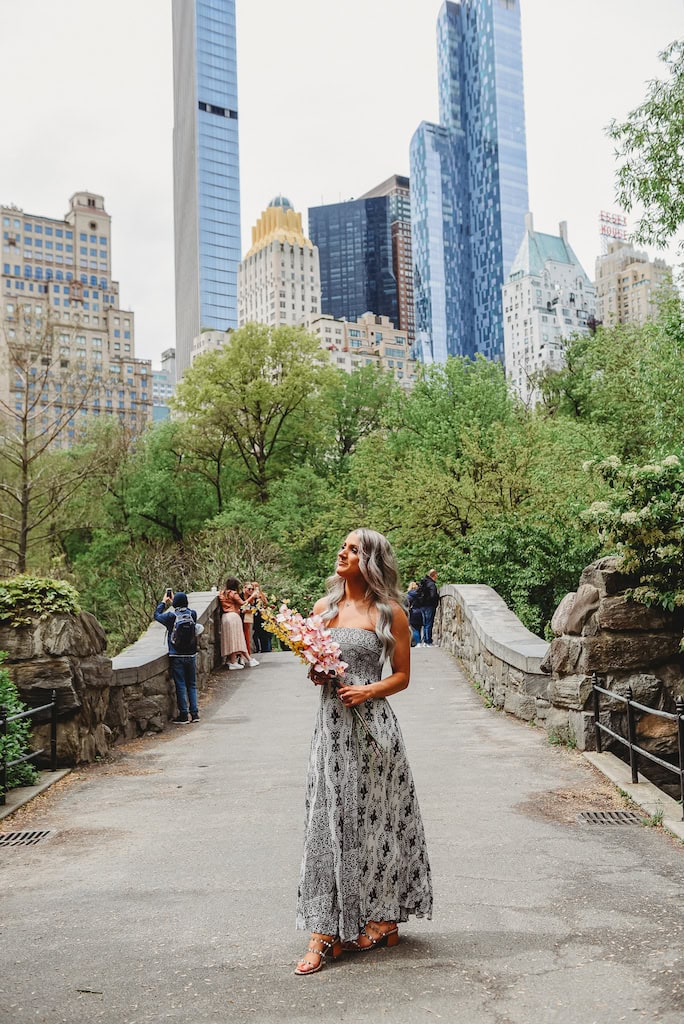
430,587
167,617
415,614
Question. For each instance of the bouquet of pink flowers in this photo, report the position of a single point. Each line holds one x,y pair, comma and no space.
313,644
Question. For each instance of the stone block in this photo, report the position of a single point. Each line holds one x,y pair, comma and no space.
610,651
672,675
79,635
18,642
556,723
535,685
575,610
157,686
581,729
657,735
604,575
144,708
511,703
564,655
571,691
527,709
35,679
619,614
646,689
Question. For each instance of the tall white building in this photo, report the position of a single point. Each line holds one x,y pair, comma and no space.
279,280
548,298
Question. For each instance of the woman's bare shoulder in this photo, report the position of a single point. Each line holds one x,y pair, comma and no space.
320,606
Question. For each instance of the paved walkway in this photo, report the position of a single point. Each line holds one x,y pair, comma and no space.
167,891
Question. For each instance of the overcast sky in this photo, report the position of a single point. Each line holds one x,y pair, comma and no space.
330,94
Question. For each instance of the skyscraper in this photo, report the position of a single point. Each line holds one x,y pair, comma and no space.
206,169
469,182
354,242
396,189
279,281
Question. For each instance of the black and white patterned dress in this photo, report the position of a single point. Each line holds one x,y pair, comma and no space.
365,857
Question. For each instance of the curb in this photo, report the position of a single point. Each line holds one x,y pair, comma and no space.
644,793
16,798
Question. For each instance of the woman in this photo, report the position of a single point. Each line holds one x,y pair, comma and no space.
250,596
414,613
233,646
365,866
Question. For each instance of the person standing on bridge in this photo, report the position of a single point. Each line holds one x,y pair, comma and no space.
365,866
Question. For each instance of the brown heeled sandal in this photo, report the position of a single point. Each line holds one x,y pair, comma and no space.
379,937
324,949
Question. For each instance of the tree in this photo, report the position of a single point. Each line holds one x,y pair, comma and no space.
262,392
628,380
651,155
43,398
355,404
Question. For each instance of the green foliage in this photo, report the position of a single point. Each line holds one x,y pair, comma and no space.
23,597
644,523
260,395
16,743
627,381
651,154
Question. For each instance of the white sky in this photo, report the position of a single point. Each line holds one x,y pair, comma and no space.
330,94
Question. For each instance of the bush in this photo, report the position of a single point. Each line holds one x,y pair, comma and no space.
644,523
17,741
22,597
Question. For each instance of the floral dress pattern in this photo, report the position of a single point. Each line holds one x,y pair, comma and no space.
365,857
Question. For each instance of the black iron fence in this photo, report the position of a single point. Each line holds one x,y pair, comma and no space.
631,741
6,720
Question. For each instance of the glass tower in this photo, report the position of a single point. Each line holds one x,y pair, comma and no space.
469,182
206,170
354,242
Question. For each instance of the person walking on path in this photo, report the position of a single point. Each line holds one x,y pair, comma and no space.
181,627
427,599
365,866
233,644
415,616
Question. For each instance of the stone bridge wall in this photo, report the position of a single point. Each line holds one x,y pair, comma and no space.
596,630
101,701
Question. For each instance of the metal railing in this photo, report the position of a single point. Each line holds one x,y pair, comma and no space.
6,719
631,741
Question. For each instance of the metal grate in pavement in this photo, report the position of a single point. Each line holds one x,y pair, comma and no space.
610,818
23,838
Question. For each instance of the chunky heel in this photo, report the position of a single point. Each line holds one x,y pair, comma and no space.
375,936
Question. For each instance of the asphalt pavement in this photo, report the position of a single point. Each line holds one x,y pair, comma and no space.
165,889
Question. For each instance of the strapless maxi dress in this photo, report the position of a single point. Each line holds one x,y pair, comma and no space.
365,857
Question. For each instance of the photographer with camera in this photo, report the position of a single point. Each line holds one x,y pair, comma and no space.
182,631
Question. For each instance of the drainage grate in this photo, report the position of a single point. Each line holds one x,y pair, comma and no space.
610,818
23,838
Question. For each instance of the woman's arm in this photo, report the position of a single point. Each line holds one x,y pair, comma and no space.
401,666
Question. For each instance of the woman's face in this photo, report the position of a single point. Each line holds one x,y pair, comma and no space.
348,558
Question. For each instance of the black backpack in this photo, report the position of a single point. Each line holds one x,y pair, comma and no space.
183,635
421,598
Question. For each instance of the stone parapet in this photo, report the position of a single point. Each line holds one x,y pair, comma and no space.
100,701
499,653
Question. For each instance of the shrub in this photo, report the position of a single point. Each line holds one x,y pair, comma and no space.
22,597
644,523
16,743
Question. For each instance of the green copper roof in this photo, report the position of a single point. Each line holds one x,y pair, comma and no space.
537,249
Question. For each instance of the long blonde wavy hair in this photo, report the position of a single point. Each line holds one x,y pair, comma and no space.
379,569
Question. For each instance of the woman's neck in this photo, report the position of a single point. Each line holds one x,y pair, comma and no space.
355,591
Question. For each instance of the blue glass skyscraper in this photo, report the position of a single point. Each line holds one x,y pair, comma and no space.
469,182
354,242
206,170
